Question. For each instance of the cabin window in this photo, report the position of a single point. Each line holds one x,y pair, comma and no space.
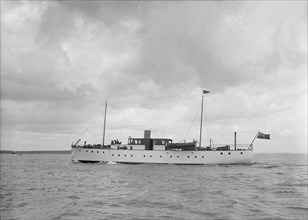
163,142
155,142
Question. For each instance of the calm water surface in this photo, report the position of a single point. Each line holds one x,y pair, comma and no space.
35,186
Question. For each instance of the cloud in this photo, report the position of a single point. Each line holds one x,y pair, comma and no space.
61,60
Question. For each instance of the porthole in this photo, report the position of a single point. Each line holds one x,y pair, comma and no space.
229,153
170,156
97,152
86,151
111,154
178,156
160,156
131,155
187,156
103,152
92,151
202,156
241,152
221,153
124,155
143,155
150,155
79,150
195,156
118,155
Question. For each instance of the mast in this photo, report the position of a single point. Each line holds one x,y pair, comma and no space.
201,123
104,123
204,92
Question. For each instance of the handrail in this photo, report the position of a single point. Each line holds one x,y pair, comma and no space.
232,146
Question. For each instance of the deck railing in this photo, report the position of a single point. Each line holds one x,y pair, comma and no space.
230,146
218,147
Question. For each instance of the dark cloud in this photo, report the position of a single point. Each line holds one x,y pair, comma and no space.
108,12
56,24
24,92
179,43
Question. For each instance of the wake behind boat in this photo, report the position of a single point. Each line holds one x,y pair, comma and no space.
164,151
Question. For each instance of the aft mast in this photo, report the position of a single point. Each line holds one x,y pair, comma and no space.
204,92
105,123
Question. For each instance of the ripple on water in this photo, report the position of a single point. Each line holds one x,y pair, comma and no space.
273,187
23,204
73,197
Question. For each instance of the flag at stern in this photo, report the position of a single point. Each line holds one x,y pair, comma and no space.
263,136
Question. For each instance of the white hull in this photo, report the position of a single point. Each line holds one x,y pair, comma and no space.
81,154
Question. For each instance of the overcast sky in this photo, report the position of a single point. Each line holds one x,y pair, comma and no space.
60,60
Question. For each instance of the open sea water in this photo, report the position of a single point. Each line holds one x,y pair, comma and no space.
50,186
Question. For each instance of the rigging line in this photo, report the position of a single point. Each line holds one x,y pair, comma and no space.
88,126
192,123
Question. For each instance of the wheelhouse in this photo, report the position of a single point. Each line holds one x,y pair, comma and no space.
148,143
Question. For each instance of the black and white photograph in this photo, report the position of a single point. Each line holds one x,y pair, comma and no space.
175,109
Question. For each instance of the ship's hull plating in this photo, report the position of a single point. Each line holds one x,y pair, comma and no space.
161,157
